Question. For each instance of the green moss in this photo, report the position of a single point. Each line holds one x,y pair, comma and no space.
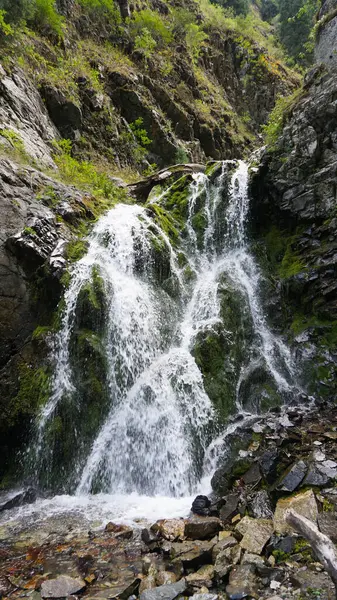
29,231
165,221
40,332
76,249
34,390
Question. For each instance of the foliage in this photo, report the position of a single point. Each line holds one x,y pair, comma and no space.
296,21
153,23
101,10
239,7
195,40
40,14
181,157
5,28
278,117
145,43
139,132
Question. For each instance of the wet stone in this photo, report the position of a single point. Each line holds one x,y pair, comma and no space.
253,475
165,592
229,510
61,587
268,463
292,479
202,528
316,477
170,529
201,505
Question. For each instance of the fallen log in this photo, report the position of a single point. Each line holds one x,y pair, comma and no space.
322,546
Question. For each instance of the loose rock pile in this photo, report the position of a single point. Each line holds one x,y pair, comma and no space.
239,547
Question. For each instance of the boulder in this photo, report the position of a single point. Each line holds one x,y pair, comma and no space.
61,587
170,529
201,578
242,582
260,505
165,592
293,477
229,510
192,553
228,542
304,503
255,532
200,505
202,528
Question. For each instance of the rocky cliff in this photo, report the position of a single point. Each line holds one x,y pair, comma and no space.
294,210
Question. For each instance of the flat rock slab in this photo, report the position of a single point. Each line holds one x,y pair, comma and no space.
61,587
256,533
165,592
303,503
292,479
192,552
202,528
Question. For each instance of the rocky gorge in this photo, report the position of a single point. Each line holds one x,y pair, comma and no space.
171,332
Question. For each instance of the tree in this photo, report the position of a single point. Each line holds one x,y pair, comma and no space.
240,7
295,26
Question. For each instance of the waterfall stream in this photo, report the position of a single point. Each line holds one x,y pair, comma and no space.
150,448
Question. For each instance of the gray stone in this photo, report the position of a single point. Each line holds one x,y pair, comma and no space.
316,477
61,587
165,592
306,579
228,542
242,582
292,479
230,508
202,528
268,463
192,552
255,532
327,523
261,505
304,503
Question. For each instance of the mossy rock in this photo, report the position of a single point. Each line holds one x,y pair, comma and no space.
91,308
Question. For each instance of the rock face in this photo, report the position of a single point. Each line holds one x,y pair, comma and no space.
326,47
33,240
294,197
23,113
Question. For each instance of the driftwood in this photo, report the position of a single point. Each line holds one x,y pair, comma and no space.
141,189
322,546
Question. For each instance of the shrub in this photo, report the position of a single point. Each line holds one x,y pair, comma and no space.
5,28
102,10
195,40
139,133
153,23
278,117
41,14
145,43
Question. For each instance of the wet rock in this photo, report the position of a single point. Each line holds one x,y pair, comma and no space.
150,581
242,582
25,497
200,528
315,477
201,578
61,587
64,113
149,537
201,505
170,529
260,506
192,553
303,503
292,479
255,532
121,531
327,523
253,475
228,511
268,463
165,592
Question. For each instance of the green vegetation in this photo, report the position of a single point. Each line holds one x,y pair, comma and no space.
278,118
33,393
39,14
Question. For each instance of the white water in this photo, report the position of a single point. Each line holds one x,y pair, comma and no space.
147,456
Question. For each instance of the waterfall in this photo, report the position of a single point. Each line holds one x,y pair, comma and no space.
151,434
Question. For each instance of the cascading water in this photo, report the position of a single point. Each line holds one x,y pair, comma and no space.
152,436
